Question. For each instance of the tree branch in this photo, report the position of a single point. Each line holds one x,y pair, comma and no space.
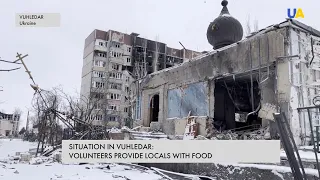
8,70
1,60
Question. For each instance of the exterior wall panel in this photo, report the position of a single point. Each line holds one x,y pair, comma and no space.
191,98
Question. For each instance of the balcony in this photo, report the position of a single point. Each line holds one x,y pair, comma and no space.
118,60
100,48
99,58
114,80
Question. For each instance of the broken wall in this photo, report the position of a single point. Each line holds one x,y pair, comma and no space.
234,59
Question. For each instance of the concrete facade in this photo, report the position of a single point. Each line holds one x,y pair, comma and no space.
264,54
111,62
9,124
105,78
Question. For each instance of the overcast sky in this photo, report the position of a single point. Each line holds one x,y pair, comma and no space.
55,54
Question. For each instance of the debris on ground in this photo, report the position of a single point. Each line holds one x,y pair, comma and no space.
199,137
137,133
260,134
225,135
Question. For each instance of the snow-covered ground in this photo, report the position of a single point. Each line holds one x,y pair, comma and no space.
306,154
12,170
56,171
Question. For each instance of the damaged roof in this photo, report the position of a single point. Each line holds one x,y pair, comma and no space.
286,23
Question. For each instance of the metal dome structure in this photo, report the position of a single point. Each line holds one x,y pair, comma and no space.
225,29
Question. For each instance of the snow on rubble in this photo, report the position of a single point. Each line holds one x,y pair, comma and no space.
42,168
17,161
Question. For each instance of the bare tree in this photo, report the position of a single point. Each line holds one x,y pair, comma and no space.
11,62
249,28
256,25
44,103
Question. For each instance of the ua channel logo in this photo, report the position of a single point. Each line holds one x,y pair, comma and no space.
295,13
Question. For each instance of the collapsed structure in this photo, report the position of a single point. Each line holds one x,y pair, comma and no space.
238,85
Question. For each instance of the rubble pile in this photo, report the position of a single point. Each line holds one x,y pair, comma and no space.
210,130
29,158
137,133
260,134
214,134
225,135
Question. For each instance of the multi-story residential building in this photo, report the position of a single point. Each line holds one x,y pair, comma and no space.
112,61
9,124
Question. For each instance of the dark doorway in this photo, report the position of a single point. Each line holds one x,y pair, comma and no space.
154,108
236,104
7,132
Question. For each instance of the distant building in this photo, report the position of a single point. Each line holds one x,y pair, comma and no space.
112,61
9,124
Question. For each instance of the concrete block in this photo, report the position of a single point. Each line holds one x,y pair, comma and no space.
116,136
127,136
267,110
25,157
57,157
145,129
155,126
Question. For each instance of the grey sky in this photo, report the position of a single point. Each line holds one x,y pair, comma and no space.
55,54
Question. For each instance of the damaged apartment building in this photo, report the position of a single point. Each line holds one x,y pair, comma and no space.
111,62
239,84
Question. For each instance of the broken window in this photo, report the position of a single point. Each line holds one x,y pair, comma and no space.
100,43
237,102
118,76
97,95
113,107
98,84
140,49
115,75
115,66
125,109
115,86
97,106
101,54
128,60
127,89
129,49
98,63
97,117
113,96
112,118
99,74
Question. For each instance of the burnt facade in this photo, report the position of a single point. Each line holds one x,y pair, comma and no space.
112,61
